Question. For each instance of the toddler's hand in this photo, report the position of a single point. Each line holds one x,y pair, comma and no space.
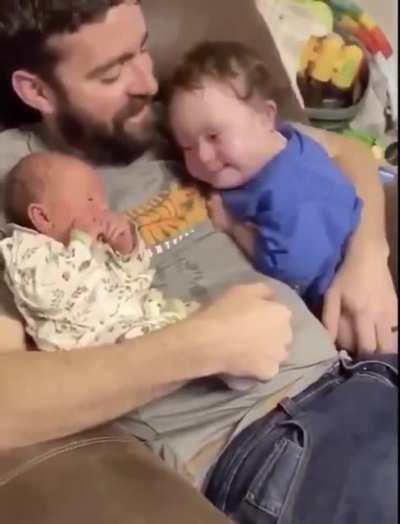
119,233
220,217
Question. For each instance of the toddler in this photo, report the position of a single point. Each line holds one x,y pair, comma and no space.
79,273
280,196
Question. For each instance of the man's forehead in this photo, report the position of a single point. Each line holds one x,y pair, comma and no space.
122,28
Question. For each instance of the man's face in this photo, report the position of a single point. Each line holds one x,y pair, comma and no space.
104,85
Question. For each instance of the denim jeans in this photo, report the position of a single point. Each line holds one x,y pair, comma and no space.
327,456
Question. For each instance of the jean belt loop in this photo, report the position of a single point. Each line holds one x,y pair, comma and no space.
289,407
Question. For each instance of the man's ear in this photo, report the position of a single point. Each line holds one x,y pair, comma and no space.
38,215
33,91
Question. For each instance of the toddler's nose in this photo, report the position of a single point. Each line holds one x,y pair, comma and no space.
206,153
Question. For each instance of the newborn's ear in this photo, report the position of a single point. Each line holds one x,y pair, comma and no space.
38,216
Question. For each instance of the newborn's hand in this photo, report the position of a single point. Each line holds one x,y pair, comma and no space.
220,217
119,233
92,226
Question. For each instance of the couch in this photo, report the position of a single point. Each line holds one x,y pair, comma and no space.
102,476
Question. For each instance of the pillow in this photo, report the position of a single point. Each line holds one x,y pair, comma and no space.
177,25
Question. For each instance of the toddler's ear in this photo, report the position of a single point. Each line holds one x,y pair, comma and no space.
270,112
267,111
38,216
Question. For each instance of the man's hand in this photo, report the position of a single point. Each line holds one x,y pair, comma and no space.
220,217
360,309
247,331
119,233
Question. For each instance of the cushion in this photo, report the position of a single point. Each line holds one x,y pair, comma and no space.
177,25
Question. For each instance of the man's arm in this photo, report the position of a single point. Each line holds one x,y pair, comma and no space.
12,334
360,308
66,392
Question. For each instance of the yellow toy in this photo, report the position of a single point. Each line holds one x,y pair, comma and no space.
330,60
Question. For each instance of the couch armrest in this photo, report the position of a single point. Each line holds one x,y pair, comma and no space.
101,477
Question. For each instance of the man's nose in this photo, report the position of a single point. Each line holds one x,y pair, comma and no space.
142,81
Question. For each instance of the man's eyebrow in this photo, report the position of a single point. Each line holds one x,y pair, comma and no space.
103,68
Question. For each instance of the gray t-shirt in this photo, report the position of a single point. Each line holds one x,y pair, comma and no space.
194,262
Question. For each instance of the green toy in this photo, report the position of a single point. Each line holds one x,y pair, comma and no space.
372,142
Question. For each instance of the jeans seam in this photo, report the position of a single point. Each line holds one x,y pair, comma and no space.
354,367
280,447
332,382
300,456
237,460
377,378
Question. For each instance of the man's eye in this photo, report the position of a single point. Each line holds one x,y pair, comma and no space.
90,199
112,75
110,79
213,136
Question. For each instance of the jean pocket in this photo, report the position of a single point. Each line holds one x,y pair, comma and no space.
271,493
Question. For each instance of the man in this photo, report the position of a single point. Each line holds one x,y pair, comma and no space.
95,102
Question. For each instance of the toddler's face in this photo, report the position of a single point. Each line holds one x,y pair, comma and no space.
76,193
224,139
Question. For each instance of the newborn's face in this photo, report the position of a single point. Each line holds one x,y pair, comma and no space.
76,194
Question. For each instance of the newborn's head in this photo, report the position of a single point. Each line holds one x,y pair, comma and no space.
48,191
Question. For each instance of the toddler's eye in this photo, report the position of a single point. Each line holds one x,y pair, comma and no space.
90,199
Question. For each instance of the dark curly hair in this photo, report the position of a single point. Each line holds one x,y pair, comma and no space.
224,61
25,27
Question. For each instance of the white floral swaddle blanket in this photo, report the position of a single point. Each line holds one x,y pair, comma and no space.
83,294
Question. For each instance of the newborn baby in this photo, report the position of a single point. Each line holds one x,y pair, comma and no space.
79,273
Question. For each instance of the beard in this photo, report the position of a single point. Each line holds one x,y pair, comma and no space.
104,144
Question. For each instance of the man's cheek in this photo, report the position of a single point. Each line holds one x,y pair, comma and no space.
99,104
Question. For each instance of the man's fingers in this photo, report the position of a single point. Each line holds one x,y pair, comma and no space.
331,313
346,336
386,337
257,290
365,333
